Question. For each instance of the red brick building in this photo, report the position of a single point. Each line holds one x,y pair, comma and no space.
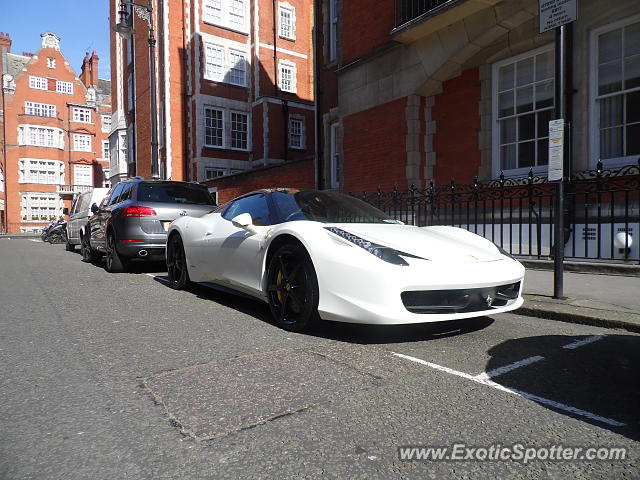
55,128
412,91
233,93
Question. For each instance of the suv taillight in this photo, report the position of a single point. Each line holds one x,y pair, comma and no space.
137,211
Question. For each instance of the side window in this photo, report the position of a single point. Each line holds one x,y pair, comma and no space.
76,203
125,194
81,204
255,205
113,198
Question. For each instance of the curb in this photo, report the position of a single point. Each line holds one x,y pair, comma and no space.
585,267
582,315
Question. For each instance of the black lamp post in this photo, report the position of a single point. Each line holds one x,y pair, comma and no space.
125,28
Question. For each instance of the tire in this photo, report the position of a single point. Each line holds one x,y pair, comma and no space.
177,264
115,262
89,255
69,247
292,288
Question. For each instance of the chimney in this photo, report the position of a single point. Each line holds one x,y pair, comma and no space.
5,43
5,47
93,68
84,70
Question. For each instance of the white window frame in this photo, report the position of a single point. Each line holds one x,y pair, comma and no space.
495,129
334,152
219,172
106,152
81,143
223,13
106,123
214,62
83,175
38,83
247,132
287,65
333,30
220,64
594,108
239,78
64,87
300,120
40,109
40,136
81,115
222,119
51,62
44,206
40,171
287,31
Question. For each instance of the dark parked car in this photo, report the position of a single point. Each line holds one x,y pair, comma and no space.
133,218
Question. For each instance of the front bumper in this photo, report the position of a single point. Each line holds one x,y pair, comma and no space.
371,292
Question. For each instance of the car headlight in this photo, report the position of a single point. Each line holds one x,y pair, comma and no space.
389,255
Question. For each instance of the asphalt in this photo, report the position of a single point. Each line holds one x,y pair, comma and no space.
594,294
118,376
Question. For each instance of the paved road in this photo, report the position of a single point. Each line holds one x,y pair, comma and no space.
118,376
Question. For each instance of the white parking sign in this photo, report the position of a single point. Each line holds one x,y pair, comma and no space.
555,13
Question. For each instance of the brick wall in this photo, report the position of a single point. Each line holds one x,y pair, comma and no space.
365,26
457,118
295,174
374,148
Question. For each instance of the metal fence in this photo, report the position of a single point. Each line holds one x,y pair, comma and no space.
602,212
407,10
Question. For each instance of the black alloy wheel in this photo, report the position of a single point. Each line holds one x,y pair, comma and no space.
177,264
292,288
115,262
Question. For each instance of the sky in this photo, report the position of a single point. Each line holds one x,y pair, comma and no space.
82,25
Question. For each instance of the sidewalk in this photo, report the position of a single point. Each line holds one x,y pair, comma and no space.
604,300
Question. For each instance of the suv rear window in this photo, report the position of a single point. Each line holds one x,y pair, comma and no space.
173,193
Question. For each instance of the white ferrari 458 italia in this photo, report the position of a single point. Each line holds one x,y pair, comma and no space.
323,255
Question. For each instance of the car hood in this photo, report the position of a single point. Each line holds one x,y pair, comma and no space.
450,244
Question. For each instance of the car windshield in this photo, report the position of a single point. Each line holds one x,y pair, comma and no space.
174,193
326,207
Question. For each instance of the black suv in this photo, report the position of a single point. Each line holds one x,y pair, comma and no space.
133,219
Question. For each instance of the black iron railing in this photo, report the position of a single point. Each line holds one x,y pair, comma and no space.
602,212
407,10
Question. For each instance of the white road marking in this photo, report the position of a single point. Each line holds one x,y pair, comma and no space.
584,341
508,368
35,240
513,391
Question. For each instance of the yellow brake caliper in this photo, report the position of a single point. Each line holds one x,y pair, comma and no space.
279,292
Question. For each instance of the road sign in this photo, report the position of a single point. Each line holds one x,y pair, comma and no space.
555,13
556,146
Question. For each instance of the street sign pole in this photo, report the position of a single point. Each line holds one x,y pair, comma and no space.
560,103
558,15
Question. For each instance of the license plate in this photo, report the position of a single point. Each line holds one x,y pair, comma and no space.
166,225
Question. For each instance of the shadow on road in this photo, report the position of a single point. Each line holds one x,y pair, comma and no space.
602,377
343,332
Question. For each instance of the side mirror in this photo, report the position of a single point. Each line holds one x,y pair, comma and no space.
65,211
95,209
245,222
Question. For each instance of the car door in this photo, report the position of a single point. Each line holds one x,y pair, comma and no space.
236,255
72,227
98,222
